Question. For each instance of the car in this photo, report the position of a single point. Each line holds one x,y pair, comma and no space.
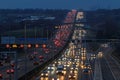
85,71
61,69
1,76
72,76
35,63
64,59
1,64
12,71
9,71
87,66
44,73
41,57
46,50
12,65
77,60
74,67
73,71
55,62
51,68
67,63
52,65
77,56
41,60
59,62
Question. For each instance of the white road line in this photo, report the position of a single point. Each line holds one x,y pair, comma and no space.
110,69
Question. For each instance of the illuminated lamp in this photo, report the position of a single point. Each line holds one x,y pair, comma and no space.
7,46
36,45
21,46
14,46
44,45
29,45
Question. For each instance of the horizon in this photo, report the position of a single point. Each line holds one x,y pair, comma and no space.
61,4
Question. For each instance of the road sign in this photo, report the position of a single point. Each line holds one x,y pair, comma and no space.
7,40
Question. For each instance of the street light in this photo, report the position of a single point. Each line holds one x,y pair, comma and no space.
7,46
29,46
21,46
25,49
36,45
14,46
44,46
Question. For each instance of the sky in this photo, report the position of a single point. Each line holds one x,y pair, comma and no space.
60,4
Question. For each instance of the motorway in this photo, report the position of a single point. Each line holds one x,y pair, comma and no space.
75,62
52,47
72,65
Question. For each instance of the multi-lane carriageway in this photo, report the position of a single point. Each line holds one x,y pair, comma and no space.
75,62
26,64
72,65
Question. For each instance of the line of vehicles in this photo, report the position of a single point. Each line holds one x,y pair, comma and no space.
39,58
71,65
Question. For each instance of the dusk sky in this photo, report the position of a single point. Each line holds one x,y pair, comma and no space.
58,4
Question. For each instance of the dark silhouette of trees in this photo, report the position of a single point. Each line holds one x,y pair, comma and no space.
106,23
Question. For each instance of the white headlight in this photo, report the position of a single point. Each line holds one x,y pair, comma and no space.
48,67
42,74
67,65
71,68
48,71
46,74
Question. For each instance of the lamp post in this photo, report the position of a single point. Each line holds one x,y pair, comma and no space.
25,50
